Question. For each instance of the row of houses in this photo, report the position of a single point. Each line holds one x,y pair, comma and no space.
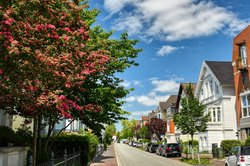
224,89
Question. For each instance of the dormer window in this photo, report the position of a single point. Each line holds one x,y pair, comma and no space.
243,55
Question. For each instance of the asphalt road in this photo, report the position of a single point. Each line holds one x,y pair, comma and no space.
131,156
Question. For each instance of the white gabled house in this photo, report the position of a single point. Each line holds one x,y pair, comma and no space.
215,89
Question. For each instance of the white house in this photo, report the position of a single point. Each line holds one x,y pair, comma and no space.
215,89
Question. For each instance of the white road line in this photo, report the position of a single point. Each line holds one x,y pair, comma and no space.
117,157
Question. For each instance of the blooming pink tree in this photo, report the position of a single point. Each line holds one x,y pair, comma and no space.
45,57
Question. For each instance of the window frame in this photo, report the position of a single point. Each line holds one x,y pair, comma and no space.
245,104
243,54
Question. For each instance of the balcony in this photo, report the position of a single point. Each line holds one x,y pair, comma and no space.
241,64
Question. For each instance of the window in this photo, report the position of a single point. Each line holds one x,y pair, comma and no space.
243,54
211,87
245,101
215,114
216,88
245,79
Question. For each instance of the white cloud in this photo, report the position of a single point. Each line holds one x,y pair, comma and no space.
130,99
165,85
147,100
128,84
164,50
140,113
125,83
130,23
174,20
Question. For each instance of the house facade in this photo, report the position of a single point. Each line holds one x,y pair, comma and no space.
241,67
170,110
181,94
215,89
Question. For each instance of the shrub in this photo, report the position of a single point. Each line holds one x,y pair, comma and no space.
23,136
247,142
93,142
7,135
185,146
226,145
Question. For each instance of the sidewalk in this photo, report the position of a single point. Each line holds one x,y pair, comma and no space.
106,159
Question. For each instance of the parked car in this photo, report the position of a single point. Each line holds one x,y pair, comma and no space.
139,145
147,146
159,150
134,144
171,149
152,148
238,156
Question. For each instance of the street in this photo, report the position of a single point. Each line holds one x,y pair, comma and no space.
131,156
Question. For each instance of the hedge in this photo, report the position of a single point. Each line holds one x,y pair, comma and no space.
247,142
7,135
226,145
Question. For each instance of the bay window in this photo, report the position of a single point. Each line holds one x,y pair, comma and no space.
215,114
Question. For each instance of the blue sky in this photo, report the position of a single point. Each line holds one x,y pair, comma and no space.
176,37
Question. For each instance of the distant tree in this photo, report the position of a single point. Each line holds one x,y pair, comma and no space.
128,128
191,118
110,131
144,132
157,126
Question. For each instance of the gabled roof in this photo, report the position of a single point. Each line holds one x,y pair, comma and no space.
223,71
171,101
182,89
163,105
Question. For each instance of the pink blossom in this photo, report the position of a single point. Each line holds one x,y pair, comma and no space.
67,85
86,72
51,26
64,105
61,97
8,21
1,71
66,29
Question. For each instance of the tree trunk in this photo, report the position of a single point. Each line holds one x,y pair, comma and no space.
192,146
34,148
39,143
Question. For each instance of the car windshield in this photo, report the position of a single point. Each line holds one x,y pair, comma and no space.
246,150
173,146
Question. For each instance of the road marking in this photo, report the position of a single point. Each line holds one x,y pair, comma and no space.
117,157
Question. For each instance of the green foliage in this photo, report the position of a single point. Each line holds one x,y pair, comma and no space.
191,117
226,145
195,161
144,132
186,146
23,136
128,128
93,142
247,142
110,131
7,135
187,143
